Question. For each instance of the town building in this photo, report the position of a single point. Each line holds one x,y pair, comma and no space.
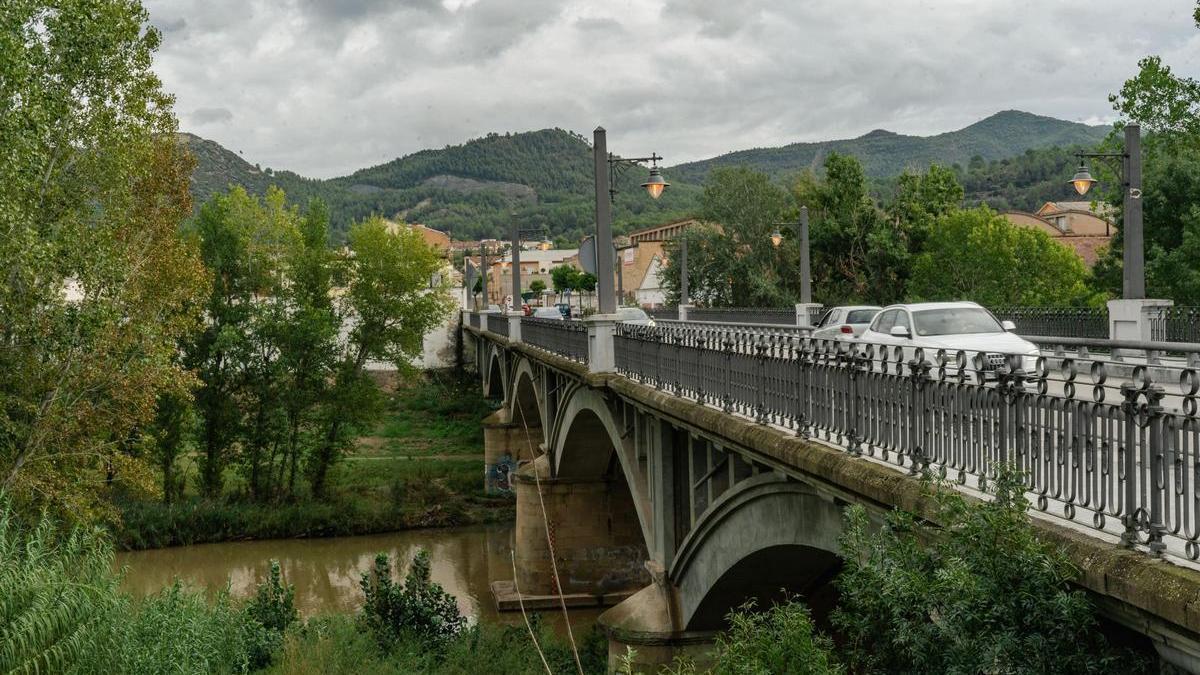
1084,227
642,260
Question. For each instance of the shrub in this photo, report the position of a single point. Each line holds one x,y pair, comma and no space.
984,595
419,609
269,614
782,639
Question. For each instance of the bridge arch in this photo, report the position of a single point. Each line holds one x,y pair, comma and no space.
589,442
767,535
526,404
495,385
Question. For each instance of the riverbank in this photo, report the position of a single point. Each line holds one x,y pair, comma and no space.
420,466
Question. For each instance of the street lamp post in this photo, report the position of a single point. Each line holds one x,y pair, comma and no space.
683,271
1128,166
607,170
805,264
517,233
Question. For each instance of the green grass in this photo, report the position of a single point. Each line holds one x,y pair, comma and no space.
336,644
439,416
421,466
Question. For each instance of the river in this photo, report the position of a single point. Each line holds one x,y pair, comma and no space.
326,572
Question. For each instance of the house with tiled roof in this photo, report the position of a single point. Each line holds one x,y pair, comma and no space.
1084,227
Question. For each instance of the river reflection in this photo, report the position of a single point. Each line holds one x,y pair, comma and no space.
326,572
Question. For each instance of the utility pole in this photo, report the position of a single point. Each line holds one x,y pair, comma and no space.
604,242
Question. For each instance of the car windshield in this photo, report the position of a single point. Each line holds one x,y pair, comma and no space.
956,321
631,314
547,313
861,315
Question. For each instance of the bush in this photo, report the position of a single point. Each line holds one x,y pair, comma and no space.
61,612
984,595
269,614
419,609
782,639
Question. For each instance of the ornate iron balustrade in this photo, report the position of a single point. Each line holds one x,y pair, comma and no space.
498,324
566,338
1113,446
1175,324
1075,322
743,315
739,328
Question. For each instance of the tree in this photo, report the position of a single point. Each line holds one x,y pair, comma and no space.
1168,107
735,263
98,286
391,306
978,255
982,595
537,286
857,253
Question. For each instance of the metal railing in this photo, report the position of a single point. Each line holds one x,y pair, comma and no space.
1075,322
1116,452
473,319
720,327
566,338
498,324
1175,324
743,315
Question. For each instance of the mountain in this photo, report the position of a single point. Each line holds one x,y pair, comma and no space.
884,153
543,179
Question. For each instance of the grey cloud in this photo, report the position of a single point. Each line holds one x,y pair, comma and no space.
324,87
203,116
171,25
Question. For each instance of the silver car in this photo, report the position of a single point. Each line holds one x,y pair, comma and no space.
547,313
635,316
845,322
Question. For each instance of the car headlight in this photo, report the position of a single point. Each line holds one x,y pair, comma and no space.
1029,361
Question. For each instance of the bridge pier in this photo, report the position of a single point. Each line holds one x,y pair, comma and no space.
648,623
598,544
505,443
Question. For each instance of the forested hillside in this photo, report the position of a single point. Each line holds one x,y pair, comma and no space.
884,153
543,179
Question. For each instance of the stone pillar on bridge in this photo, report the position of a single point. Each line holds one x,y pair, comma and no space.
1132,319
683,311
598,545
505,443
601,353
514,326
804,312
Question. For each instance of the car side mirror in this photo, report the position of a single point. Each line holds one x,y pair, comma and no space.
900,331
1008,326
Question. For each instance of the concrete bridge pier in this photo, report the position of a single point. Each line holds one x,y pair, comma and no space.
598,545
505,444
648,623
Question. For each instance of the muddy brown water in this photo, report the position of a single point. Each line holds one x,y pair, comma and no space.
326,572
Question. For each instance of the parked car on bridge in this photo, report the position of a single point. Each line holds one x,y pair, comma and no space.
634,316
547,313
845,322
952,326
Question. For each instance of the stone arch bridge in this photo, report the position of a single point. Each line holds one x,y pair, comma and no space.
675,483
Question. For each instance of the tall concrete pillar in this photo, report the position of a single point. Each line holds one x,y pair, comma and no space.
597,541
505,443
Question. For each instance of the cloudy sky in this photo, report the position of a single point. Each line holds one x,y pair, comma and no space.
323,87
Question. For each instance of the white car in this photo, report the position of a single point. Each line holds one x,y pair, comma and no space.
547,313
844,323
635,316
952,326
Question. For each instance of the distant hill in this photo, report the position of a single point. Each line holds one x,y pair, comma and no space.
544,178
883,153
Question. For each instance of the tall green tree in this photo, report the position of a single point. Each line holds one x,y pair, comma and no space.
393,297
1167,106
978,255
97,284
